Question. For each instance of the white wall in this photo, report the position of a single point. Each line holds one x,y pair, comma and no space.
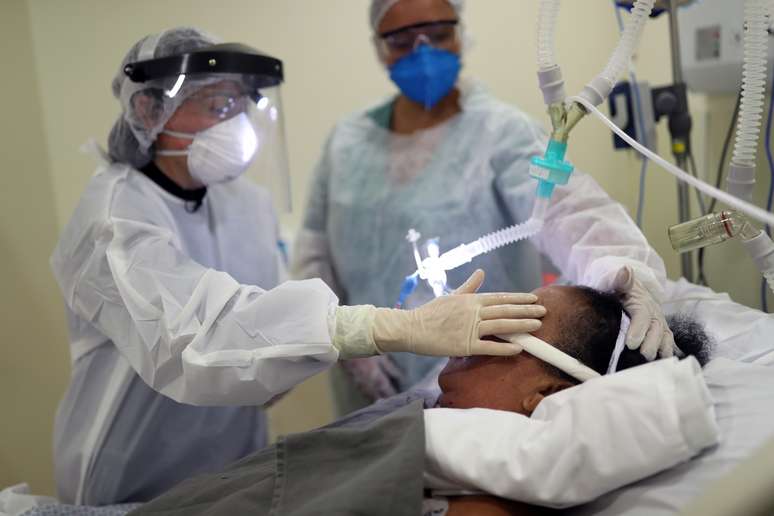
34,362
64,97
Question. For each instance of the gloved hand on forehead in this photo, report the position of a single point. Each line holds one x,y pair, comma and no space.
648,330
461,324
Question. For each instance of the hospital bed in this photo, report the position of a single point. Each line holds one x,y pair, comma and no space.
740,380
741,334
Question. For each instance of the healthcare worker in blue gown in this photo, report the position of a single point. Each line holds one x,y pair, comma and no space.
446,158
180,330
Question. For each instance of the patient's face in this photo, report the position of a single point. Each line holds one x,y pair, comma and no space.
516,383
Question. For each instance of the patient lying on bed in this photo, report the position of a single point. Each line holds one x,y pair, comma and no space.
581,322
373,459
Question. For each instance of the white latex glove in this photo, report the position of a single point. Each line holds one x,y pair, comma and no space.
451,325
456,325
648,330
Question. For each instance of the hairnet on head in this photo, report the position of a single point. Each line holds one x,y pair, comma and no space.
132,136
380,7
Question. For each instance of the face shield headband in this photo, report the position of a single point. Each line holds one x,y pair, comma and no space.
224,58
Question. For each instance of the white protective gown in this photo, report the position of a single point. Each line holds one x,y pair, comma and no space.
164,313
457,181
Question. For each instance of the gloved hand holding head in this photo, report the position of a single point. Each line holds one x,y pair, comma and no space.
420,42
649,332
461,324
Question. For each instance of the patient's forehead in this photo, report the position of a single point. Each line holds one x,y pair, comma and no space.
560,302
557,296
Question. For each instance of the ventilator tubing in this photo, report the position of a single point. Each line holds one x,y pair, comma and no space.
709,230
718,227
597,90
464,253
600,87
761,250
547,17
741,175
549,73
745,207
551,169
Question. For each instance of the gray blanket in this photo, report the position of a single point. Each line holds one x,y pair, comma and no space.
369,463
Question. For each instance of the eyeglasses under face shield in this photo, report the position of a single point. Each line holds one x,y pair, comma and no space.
440,34
222,100
219,82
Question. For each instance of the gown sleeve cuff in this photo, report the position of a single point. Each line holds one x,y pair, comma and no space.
353,336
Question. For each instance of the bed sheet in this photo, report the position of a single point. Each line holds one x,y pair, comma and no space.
740,333
18,500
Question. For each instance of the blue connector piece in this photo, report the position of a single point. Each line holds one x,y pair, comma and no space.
551,169
408,287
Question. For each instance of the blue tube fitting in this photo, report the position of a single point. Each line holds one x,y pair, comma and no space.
551,170
408,287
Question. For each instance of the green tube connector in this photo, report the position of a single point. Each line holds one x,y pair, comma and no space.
551,170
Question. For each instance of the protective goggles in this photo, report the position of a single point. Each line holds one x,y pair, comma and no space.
223,100
440,34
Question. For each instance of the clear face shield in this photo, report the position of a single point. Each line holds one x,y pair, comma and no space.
269,167
227,97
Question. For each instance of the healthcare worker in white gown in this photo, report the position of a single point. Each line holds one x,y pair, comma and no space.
180,329
448,159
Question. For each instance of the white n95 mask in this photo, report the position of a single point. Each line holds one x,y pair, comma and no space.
219,153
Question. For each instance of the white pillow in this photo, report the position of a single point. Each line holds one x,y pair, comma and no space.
744,405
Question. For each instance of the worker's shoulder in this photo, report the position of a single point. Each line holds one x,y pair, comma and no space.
91,214
119,191
102,190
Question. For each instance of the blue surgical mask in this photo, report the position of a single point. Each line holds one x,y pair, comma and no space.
426,75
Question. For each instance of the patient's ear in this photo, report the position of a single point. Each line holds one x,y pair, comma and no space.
548,387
